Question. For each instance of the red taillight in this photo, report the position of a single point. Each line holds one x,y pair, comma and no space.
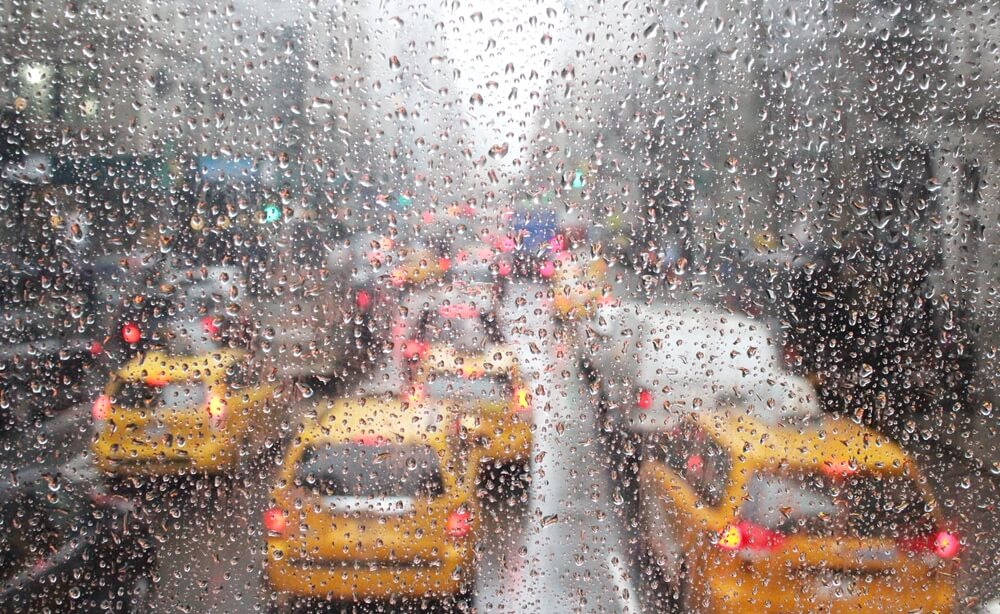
749,537
275,521
96,348
209,326
414,348
363,299
131,333
946,545
547,269
101,409
459,524
444,264
156,381
943,544
644,400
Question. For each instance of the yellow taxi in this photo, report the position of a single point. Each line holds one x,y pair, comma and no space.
418,265
578,284
485,387
743,514
375,500
163,414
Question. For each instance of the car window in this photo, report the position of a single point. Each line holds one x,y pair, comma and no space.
160,395
365,470
697,458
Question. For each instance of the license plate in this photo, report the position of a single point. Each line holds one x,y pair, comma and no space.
834,585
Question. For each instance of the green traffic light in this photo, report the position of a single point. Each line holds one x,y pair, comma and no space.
578,180
272,213
404,201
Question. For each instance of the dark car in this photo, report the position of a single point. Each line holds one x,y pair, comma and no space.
70,546
47,341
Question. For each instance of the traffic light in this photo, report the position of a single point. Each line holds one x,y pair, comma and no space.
272,213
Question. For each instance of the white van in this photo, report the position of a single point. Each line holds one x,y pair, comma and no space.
656,363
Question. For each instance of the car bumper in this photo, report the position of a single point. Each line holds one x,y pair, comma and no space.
138,459
345,580
727,594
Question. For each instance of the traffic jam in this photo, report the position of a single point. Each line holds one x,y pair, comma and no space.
527,307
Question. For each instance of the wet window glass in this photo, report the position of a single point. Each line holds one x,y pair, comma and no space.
522,306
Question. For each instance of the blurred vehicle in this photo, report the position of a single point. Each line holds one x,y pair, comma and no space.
325,307
143,322
481,261
193,411
459,313
657,363
743,514
47,335
417,264
376,500
487,391
70,546
578,283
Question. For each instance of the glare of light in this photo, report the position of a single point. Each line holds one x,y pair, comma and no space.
731,538
36,73
272,213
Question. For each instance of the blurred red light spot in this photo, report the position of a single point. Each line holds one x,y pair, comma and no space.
101,409
645,399
131,333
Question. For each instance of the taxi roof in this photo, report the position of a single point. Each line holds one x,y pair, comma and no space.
495,358
811,441
385,416
159,364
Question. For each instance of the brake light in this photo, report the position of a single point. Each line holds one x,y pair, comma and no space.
414,348
96,348
946,545
731,538
838,468
156,381
644,399
943,544
370,440
217,410
101,408
444,264
209,326
547,269
750,537
131,333
459,524
275,521
363,299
